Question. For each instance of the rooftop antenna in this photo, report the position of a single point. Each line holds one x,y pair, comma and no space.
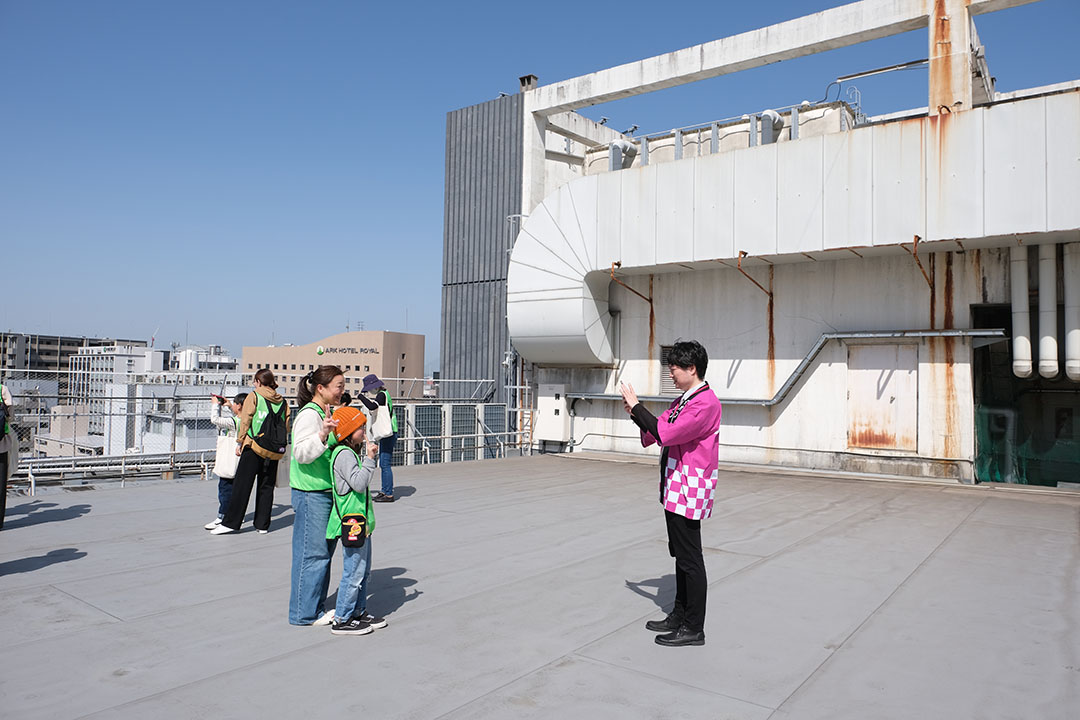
152,337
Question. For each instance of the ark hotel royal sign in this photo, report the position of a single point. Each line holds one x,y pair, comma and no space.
346,351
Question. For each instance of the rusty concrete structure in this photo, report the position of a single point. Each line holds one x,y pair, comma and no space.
865,287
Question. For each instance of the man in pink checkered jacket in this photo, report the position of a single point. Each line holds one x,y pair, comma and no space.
688,431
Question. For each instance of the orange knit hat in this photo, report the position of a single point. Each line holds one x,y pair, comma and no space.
349,419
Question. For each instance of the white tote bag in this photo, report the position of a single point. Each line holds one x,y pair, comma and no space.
225,460
283,464
381,427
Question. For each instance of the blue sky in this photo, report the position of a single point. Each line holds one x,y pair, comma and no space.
255,170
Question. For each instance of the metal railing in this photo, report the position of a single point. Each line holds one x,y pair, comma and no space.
159,424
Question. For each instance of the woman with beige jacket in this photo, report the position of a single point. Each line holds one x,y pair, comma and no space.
257,462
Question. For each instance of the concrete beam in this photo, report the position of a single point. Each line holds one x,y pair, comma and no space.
583,130
826,30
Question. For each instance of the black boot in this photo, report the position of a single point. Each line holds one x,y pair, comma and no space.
683,636
669,624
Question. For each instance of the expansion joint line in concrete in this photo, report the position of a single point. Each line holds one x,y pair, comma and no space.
884,602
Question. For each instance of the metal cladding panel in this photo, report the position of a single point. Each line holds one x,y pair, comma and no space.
755,200
483,188
848,184
1062,161
1016,168
954,175
674,212
639,217
573,209
609,218
714,207
899,182
799,191
880,185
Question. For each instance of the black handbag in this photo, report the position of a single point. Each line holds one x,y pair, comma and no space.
353,526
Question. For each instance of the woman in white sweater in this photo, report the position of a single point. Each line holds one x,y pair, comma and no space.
311,480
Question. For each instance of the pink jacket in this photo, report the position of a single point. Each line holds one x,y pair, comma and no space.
693,443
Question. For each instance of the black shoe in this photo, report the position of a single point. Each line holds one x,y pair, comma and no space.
669,624
349,627
682,636
382,497
372,620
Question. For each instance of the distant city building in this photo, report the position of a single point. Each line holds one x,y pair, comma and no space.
163,415
30,351
397,358
197,359
69,434
93,369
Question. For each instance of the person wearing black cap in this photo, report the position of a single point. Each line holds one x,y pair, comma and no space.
375,395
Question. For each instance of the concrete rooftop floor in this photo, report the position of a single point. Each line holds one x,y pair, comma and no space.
519,588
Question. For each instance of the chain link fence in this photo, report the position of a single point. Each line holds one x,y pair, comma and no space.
74,428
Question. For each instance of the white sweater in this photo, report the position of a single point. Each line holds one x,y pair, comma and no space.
306,445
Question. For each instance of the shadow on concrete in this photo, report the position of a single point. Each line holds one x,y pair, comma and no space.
275,524
37,562
37,512
401,491
387,589
663,593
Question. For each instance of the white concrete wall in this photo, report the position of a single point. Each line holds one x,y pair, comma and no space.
730,317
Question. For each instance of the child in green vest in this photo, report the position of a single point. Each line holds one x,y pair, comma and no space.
350,493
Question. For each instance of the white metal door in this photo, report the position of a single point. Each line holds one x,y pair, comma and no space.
883,396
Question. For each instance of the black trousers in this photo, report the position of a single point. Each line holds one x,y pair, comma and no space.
684,544
257,471
3,486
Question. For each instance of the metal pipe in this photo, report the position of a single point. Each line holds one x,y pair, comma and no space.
1021,324
1048,344
806,361
1071,275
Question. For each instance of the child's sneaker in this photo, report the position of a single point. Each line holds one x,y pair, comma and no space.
368,618
349,627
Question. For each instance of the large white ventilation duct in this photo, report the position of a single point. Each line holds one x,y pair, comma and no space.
1021,324
1072,311
1048,345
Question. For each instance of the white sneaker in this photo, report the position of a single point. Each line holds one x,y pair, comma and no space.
221,530
212,524
326,618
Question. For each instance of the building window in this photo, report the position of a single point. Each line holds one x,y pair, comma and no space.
294,366
275,366
366,368
249,366
402,356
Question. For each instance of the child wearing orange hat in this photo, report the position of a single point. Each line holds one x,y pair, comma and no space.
351,476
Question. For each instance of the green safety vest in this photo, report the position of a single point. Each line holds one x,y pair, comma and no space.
316,475
390,409
350,502
262,409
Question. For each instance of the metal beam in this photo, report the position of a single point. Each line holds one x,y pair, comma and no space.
583,130
826,30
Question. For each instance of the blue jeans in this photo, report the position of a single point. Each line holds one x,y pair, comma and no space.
224,493
386,455
311,553
352,593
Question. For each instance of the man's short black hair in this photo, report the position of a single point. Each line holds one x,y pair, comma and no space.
240,398
689,353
